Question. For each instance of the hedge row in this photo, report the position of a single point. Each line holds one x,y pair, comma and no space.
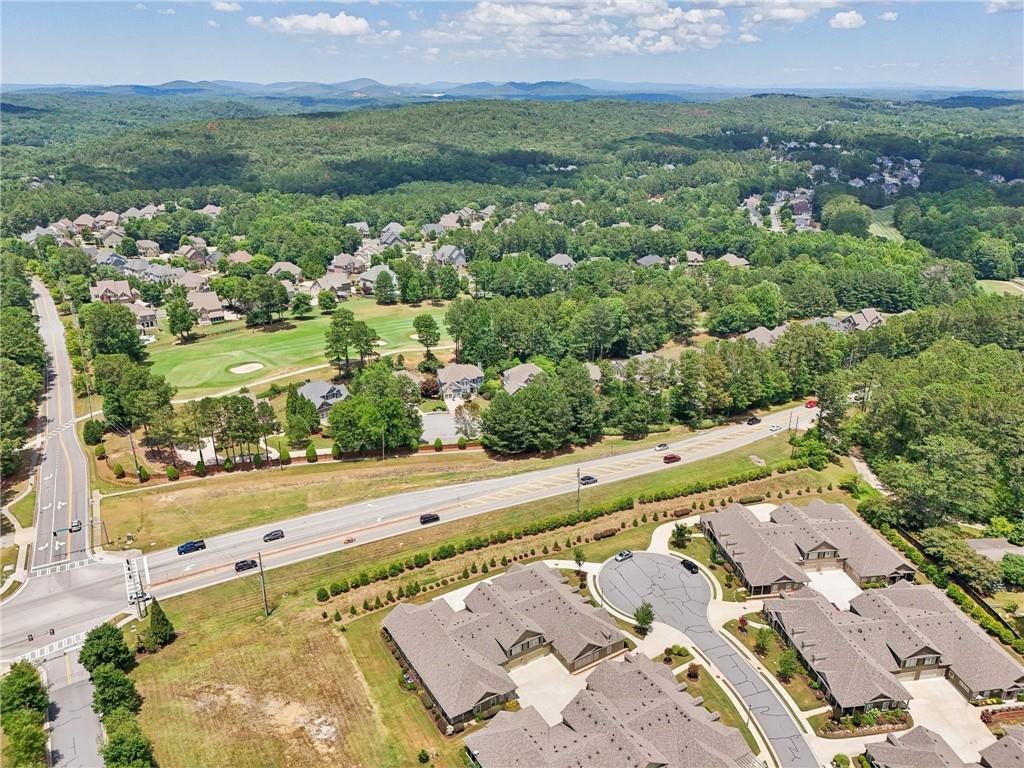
450,550
986,622
701,486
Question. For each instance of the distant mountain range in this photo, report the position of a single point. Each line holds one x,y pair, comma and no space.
364,90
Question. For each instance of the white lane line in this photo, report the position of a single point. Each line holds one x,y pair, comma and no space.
145,567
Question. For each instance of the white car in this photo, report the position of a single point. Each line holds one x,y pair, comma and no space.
76,526
623,556
775,428
661,447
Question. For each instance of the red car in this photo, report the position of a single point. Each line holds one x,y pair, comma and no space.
811,404
670,458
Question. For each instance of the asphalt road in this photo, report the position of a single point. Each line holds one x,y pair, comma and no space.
680,599
74,727
63,481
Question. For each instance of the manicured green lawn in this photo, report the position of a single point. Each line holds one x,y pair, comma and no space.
25,509
882,226
8,557
798,686
203,367
1002,286
716,700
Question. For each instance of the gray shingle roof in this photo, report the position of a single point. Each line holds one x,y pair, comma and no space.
1008,752
917,748
518,376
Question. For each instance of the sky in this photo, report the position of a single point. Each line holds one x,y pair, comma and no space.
746,43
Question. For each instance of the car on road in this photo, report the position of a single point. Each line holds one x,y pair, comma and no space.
138,597
661,447
76,526
588,480
430,517
623,556
774,427
191,546
273,535
244,565
752,421
689,565
811,404
671,458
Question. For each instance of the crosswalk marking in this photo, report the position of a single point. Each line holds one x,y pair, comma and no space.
63,644
50,569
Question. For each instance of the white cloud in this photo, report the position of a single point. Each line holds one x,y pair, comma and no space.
561,29
166,11
415,13
889,16
212,23
999,6
224,6
140,6
748,37
341,25
846,20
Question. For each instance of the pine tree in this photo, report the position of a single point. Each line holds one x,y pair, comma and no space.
160,627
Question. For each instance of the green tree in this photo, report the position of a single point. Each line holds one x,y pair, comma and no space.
384,289
578,557
26,739
160,627
126,745
681,534
339,339
111,330
364,340
586,416
427,331
788,665
643,617
833,400
181,318
327,301
762,638
112,690
302,305
105,644
127,247
22,688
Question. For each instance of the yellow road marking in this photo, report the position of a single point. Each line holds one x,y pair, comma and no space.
67,666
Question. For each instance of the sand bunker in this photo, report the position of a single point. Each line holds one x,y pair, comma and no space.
246,368
380,343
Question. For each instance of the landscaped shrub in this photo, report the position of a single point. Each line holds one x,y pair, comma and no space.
750,499
92,432
311,453
201,468
229,465
438,444
335,588
284,456
101,451
118,471
337,615
172,473
143,473
257,460
335,451
462,443
322,595
841,761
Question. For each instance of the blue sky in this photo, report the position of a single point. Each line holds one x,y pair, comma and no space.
712,42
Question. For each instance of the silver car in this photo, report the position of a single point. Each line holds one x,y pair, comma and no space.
623,556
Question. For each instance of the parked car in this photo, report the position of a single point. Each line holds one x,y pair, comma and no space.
273,535
430,517
671,458
623,556
811,404
752,421
661,447
244,565
76,526
689,565
774,427
588,480
191,546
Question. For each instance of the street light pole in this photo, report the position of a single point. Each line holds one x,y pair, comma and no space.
263,585
577,490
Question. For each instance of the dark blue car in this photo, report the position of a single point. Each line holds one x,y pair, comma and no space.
191,546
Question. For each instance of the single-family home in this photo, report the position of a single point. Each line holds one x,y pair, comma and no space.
361,227
208,306
459,380
191,253
368,280
161,273
337,283
393,227
136,267
765,337
285,269
85,221
461,658
733,260
650,260
145,315
193,281
694,259
323,394
111,237
1007,752
149,211
389,238
131,213
801,208
487,211
346,264
431,230
451,220
211,210
239,257
518,376
113,292
148,249
919,747
110,259
630,713
563,261
863,319
106,219
450,255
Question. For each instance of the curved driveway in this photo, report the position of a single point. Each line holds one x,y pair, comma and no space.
681,599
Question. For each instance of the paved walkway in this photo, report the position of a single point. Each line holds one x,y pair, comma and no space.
681,600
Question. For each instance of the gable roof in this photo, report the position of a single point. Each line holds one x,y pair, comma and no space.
457,372
650,260
323,394
450,254
764,337
734,261
518,376
1008,752
563,260
917,748
285,267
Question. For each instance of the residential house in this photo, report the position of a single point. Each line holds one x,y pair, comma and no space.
563,261
917,748
368,280
150,211
462,657
466,215
431,230
106,219
323,394
85,221
110,259
36,232
773,556
190,252
451,221
137,267
113,292
239,257
518,376
211,210
856,182
361,227
335,282
459,380
285,269
650,260
346,264
764,337
145,315
835,324
863,319
208,306
393,227
450,255
161,273
367,251
1008,752
487,211
631,713
694,259
902,632
111,238
594,372
389,238
131,213
733,260
148,249
193,281
801,208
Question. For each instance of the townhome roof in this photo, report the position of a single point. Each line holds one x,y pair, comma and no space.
1008,752
917,748
119,288
734,261
192,280
450,254
632,714
650,260
239,257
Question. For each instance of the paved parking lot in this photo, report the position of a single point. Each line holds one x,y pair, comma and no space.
547,686
838,588
937,705
681,599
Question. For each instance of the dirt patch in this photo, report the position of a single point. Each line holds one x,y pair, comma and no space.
246,368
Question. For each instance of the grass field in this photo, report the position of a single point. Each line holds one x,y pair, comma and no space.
24,510
799,686
1007,287
716,700
202,367
882,226
160,517
8,562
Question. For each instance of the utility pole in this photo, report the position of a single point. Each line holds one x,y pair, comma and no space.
131,442
577,490
263,585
